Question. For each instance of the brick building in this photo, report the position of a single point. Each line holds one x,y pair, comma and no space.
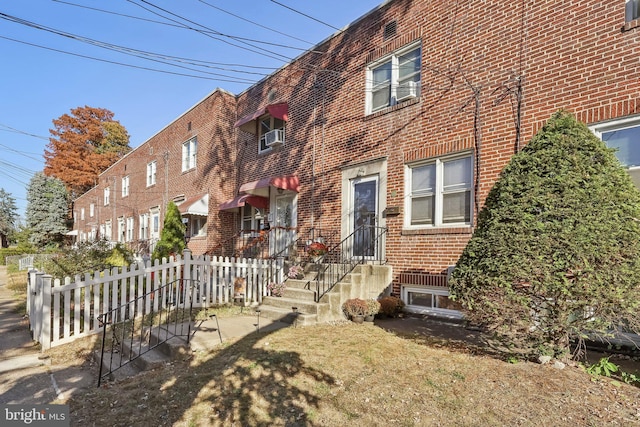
403,120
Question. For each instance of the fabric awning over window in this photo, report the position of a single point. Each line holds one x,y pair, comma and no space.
279,111
261,186
197,205
241,200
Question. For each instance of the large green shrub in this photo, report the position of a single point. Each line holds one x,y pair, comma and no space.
172,236
556,251
87,257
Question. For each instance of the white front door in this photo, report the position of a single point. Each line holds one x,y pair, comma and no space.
364,215
284,222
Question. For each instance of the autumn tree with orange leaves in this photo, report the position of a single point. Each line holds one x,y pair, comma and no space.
83,145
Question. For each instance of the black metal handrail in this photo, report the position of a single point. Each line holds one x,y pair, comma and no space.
364,245
163,310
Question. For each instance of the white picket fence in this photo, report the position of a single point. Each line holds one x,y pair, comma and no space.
60,313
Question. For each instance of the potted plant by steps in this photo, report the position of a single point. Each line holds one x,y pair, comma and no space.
373,307
316,251
390,306
276,289
355,309
295,272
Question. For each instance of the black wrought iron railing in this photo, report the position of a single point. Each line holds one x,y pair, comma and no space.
366,245
142,324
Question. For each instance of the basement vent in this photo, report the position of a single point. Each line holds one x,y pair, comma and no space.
390,29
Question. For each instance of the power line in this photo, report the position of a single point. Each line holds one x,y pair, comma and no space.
305,15
10,129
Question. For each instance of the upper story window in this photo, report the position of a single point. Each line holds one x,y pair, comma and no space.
151,173
632,10
439,192
189,154
92,208
81,214
107,194
624,136
125,186
270,132
394,79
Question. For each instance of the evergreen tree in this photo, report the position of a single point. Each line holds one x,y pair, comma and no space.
8,217
172,235
556,251
47,214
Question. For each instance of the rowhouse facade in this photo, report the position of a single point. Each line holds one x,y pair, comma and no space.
404,121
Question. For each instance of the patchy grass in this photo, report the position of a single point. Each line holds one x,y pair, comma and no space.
17,283
348,374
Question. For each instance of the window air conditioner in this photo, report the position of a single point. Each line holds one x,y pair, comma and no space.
409,89
274,138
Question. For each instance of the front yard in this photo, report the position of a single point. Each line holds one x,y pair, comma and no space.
348,374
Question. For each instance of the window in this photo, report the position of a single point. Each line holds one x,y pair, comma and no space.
251,220
439,192
92,208
394,79
270,132
125,186
81,214
632,10
107,193
624,136
130,225
424,300
144,227
197,226
151,173
189,154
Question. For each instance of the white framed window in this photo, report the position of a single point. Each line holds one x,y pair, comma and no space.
155,223
107,229
92,208
151,173
251,220
121,230
631,10
81,214
144,227
189,154
107,194
430,300
624,136
125,186
394,79
270,132
130,227
439,192
197,226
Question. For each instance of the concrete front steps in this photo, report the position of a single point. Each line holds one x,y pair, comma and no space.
297,304
134,356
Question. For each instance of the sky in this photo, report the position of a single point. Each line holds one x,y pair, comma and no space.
147,61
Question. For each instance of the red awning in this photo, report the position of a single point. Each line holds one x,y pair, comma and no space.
288,182
279,111
240,201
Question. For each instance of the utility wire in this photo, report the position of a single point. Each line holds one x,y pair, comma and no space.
305,15
21,153
10,129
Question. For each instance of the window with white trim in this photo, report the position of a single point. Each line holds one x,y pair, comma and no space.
270,132
430,300
394,79
624,136
151,173
251,220
144,227
107,229
81,214
125,186
197,226
189,154
632,10
155,223
121,230
92,208
439,192
107,193
130,227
